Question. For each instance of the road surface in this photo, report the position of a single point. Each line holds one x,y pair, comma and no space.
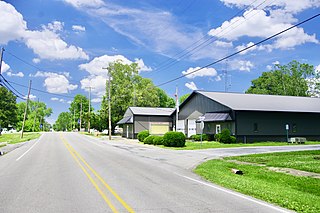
70,172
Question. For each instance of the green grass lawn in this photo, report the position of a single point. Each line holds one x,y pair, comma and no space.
207,145
300,194
15,137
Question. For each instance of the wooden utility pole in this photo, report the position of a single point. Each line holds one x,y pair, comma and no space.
109,103
80,114
34,120
26,109
89,107
1,56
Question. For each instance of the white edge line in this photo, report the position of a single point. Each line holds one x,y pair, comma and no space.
29,149
236,194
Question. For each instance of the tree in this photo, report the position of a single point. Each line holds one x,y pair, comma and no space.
64,122
37,112
127,89
290,79
164,99
79,107
8,108
183,98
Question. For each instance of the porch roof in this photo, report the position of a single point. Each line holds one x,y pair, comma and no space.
212,117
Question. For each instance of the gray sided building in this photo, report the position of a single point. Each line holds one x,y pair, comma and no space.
136,119
251,117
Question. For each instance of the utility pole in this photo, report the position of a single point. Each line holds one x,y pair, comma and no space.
1,56
80,114
109,103
177,108
74,118
34,120
89,107
26,109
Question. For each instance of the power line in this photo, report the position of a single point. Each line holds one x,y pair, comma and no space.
182,54
242,50
42,91
3,83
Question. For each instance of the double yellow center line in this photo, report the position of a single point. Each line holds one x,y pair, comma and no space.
84,166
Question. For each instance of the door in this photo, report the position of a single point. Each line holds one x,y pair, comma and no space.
159,128
218,128
192,128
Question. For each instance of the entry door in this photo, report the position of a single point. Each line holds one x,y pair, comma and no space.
192,128
218,128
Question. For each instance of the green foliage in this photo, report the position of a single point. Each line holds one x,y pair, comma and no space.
64,122
8,108
225,137
149,139
217,137
158,140
142,135
16,137
197,137
37,112
79,107
233,139
164,99
127,89
290,79
183,98
174,139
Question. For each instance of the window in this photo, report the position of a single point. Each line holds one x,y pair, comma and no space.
255,127
294,128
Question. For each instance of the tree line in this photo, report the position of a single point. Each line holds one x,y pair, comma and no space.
128,88
12,113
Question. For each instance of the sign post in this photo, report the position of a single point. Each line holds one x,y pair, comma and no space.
201,118
287,130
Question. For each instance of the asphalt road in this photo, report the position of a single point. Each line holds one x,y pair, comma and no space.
69,172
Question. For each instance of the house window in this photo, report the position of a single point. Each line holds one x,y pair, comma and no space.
294,128
255,127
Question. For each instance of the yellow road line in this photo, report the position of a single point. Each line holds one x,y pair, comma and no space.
89,176
129,209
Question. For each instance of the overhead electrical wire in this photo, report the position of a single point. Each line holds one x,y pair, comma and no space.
188,51
7,85
42,91
240,51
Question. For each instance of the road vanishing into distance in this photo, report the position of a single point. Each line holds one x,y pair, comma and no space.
70,172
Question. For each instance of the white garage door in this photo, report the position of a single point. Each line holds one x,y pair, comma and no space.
159,128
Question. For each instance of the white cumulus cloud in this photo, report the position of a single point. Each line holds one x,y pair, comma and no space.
78,28
4,67
46,42
18,74
240,65
191,85
56,83
192,72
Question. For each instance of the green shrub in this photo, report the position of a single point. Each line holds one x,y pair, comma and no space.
217,137
197,137
142,135
233,139
158,140
174,139
149,139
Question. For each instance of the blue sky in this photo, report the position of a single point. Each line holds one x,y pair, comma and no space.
65,43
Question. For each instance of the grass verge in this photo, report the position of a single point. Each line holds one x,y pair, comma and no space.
208,145
15,137
300,194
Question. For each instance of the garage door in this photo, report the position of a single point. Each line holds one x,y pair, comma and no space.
159,129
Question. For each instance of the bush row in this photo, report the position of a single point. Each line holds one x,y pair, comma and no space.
170,139
225,137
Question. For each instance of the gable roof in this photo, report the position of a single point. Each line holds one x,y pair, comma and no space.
151,111
254,102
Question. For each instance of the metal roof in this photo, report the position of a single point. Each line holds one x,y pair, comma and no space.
253,102
211,116
152,111
126,120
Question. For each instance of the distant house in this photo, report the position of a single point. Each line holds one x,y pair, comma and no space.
136,119
250,117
